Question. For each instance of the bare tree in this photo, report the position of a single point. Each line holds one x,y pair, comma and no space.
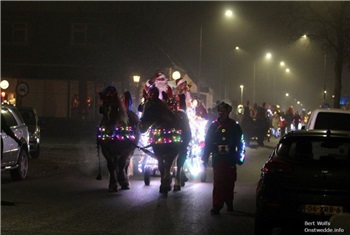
328,23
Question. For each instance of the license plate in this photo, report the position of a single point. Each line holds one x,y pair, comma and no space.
322,209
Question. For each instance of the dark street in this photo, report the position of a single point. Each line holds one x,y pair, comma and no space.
62,196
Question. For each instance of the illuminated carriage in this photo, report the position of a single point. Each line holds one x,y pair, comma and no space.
193,165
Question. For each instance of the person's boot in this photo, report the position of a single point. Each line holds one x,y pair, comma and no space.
215,211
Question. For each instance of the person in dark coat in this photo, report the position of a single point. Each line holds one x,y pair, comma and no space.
247,124
262,124
224,141
296,120
288,117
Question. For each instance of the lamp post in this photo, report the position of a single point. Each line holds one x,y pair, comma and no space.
254,82
267,57
282,65
136,79
228,14
324,74
200,60
241,86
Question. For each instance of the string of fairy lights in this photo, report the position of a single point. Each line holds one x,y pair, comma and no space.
118,133
165,136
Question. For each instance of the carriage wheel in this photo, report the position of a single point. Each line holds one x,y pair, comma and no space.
147,176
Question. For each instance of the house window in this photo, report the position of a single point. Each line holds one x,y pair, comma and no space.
14,33
86,34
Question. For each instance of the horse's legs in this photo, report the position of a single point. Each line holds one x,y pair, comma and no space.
113,187
122,176
180,174
165,181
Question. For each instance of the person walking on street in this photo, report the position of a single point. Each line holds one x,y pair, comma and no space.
296,120
262,124
289,118
224,140
275,123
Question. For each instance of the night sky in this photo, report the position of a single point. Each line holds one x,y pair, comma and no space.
256,27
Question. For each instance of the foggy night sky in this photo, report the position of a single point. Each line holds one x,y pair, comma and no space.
256,27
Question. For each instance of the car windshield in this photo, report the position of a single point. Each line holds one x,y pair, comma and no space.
333,121
308,149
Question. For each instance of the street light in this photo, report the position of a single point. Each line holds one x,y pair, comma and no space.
268,55
305,41
287,70
136,79
325,76
4,84
241,86
228,14
176,75
228,85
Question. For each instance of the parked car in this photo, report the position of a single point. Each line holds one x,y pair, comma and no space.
305,180
31,119
15,156
333,119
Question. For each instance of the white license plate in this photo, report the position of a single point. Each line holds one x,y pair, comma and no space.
322,209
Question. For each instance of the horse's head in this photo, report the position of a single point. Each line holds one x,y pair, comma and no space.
156,113
112,108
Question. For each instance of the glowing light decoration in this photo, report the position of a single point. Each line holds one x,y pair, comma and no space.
165,136
242,153
119,133
193,164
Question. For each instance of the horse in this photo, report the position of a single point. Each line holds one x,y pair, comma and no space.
169,137
117,135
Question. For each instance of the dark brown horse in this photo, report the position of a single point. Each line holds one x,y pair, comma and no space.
170,135
117,136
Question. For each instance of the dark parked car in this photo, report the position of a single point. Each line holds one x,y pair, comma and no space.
15,157
304,183
31,119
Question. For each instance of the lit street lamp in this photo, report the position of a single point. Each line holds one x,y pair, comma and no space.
287,70
228,13
4,84
268,56
176,75
136,79
241,86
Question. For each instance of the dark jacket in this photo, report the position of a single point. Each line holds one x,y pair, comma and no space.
224,140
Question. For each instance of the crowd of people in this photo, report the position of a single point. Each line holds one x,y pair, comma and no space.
259,120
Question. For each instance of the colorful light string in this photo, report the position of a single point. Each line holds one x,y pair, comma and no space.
119,133
165,136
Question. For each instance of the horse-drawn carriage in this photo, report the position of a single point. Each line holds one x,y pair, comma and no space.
169,135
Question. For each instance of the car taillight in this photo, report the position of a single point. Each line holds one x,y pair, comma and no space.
277,166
